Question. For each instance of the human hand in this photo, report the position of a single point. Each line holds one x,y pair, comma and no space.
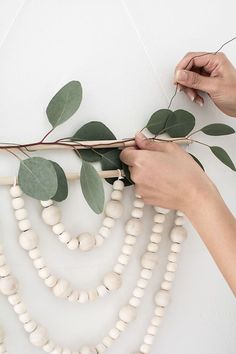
211,73
165,175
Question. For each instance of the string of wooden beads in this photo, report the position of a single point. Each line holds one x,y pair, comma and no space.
3,349
62,288
178,235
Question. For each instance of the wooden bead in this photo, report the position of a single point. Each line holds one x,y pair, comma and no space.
112,281
4,271
34,253
152,330
114,333
51,281
100,348
172,257
133,227
114,209
46,203
99,240
179,213
30,326
130,240
137,213
18,203
145,348
178,234
127,249
104,231
83,297
158,228
148,339
21,214
16,191
49,346
8,285
87,350
108,222
123,259
138,292
93,294
24,225
171,267
159,218
138,203
146,274
44,273
51,215
156,321
152,247
149,260
39,337
39,263
169,276
118,185
127,314
65,237
74,296
101,290
58,228
28,240
142,283
62,289
179,221
160,311
162,298
121,325
57,350
166,285
156,238
86,241
116,195
20,308
134,301
175,247
14,299
119,268
24,317
73,244
161,210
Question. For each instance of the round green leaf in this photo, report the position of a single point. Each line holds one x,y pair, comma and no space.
65,103
62,188
223,156
93,130
197,161
111,161
180,124
92,187
37,178
218,129
158,120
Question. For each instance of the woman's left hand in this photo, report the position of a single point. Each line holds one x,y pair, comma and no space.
165,175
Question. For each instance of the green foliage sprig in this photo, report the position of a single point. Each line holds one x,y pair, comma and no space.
44,179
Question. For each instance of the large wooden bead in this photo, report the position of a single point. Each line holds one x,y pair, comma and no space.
8,285
127,314
149,260
178,234
133,227
39,337
62,288
51,215
28,240
162,298
86,241
112,281
114,209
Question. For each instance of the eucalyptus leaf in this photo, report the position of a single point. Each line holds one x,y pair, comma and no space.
197,161
62,188
158,120
91,131
92,187
38,178
65,103
111,161
218,129
223,156
180,124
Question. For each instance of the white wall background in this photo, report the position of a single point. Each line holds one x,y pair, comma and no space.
124,53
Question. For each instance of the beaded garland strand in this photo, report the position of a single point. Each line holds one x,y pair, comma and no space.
3,349
38,335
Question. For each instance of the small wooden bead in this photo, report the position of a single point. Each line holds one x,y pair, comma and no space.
8,285
179,221
134,301
16,191
112,281
172,257
39,337
62,289
86,241
152,330
2,260
152,247
21,214
162,298
74,296
145,348
156,238
107,341
24,225
166,285
20,308
39,263
57,350
148,339
138,292
44,273
175,247
34,253
24,317
123,259
114,333
121,325
66,351
118,185
102,290
114,209
178,234
87,350
46,203
137,213
146,274
119,268
30,326
138,203
149,260
49,346
99,240
93,294
51,281
127,314
18,203
158,228
104,231
179,213
108,222
160,311
4,271
127,249
28,240
159,218
65,237
156,321
161,210
51,215
169,276
142,283
14,299
116,195
133,227
73,244
58,228
171,267
130,240
100,348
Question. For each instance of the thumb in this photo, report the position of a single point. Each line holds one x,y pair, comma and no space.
194,80
149,144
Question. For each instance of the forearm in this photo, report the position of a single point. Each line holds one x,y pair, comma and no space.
217,227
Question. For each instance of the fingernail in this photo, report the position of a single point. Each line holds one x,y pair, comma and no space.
179,88
181,75
191,96
199,101
140,136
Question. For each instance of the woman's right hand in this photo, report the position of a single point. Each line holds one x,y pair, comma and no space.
210,73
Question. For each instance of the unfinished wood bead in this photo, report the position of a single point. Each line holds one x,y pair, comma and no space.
134,301
58,228
62,289
127,249
14,299
86,241
51,281
179,213
39,337
145,348
160,311
114,333
119,268
49,346
159,218
118,185
152,247
73,244
46,203
16,191
158,228
178,234
172,257
30,326
51,215
88,350
162,298
121,325
104,231
127,314
169,276
138,203
99,240
102,290
175,247
114,209
21,214
130,240
133,227
35,253
112,281
28,240
18,203
137,213
74,295
171,267
166,285
108,222
179,221
4,270
146,274
24,225
65,237
156,238
161,210
8,285
149,260
116,195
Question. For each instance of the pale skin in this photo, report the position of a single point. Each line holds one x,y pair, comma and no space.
165,175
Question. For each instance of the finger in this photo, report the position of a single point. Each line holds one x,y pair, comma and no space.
127,155
198,59
195,81
194,96
149,144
